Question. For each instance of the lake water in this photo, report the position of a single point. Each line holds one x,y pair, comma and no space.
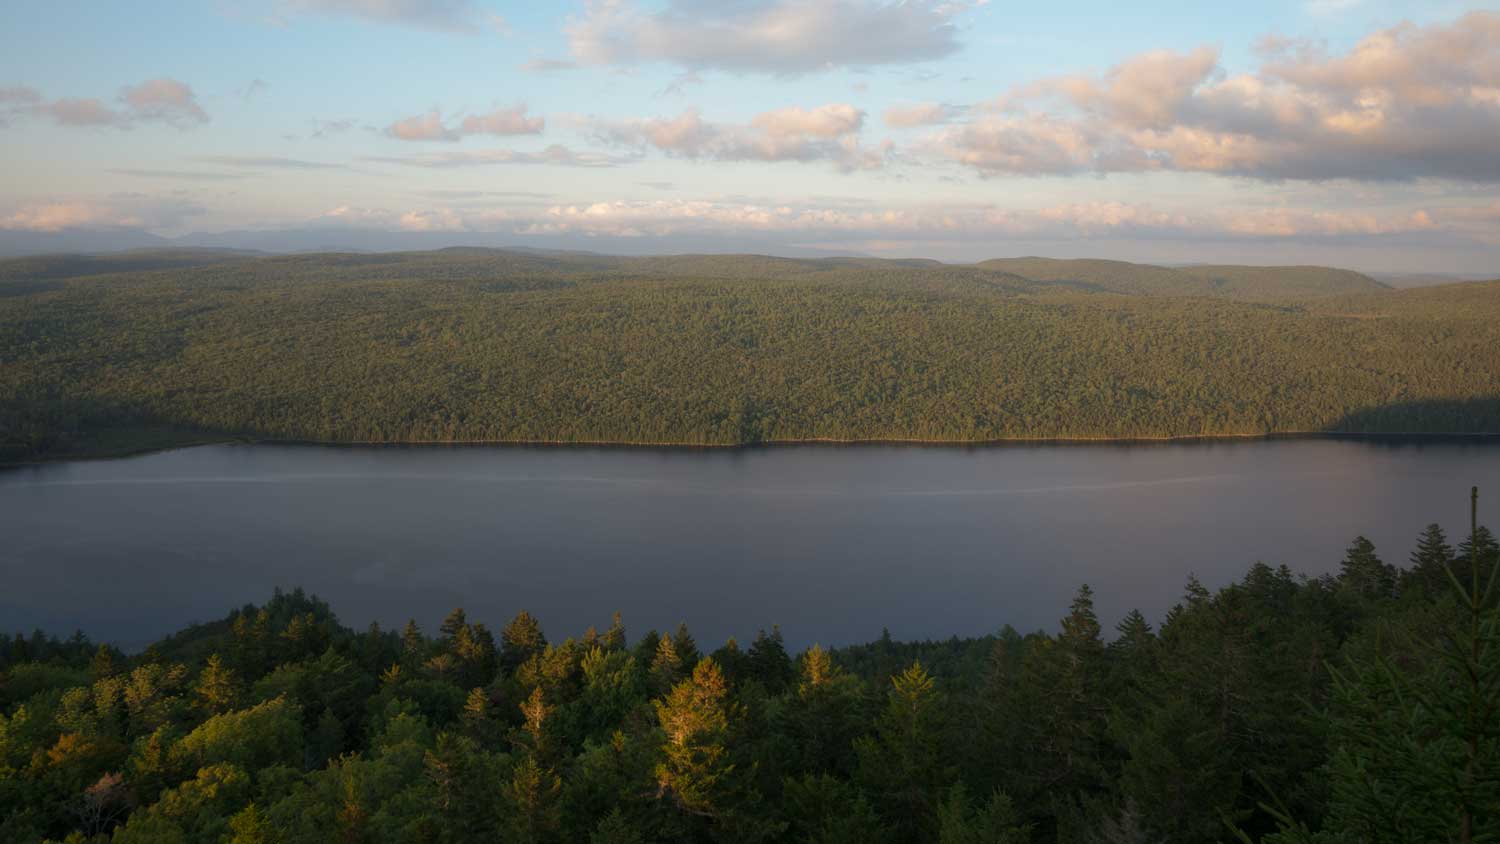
832,543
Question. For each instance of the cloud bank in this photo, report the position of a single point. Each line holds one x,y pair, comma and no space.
824,133
1405,103
163,100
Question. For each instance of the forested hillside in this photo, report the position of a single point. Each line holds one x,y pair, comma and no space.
479,345
1350,708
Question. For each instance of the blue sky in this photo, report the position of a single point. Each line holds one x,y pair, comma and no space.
1335,131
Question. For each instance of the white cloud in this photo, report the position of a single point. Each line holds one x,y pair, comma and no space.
774,36
120,211
500,122
153,101
919,114
825,133
165,100
1406,102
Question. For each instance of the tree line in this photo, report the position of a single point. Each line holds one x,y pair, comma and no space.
1355,707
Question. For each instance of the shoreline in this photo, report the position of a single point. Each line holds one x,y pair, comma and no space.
916,442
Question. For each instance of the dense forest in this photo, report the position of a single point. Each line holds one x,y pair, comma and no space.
1357,707
114,353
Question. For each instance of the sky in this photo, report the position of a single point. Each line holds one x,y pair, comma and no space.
1357,133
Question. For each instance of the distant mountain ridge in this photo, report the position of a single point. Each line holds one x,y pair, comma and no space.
1243,283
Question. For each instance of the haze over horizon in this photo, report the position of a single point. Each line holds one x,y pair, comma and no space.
1355,133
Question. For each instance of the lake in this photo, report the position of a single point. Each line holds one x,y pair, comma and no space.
832,543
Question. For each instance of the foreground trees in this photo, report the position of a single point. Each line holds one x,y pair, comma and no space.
1360,707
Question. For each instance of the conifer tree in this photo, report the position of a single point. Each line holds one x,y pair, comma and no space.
104,664
1363,571
768,662
413,644
1429,562
1416,746
995,822
453,622
686,647
614,638
666,665
532,798
519,641
903,762
695,719
824,716
218,689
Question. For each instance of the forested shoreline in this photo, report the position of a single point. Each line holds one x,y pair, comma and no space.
114,355
1356,707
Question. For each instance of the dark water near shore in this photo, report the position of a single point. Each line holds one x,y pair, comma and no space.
832,543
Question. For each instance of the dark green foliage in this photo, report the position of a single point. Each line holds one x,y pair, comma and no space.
493,346
1227,715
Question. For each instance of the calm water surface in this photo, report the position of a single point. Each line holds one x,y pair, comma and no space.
832,543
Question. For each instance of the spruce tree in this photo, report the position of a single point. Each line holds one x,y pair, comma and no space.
686,646
904,762
1363,572
519,641
614,638
695,719
768,662
666,666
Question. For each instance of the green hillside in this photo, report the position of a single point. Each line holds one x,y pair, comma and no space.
479,345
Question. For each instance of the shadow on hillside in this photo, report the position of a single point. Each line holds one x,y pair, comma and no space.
1431,417
79,427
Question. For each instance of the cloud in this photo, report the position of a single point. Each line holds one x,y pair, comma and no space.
500,122
503,121
153,101
119,211
1405,103
555,154
809,223
919,114
165,100
441,15
82,112
423,127
825,133
268,162
773,36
